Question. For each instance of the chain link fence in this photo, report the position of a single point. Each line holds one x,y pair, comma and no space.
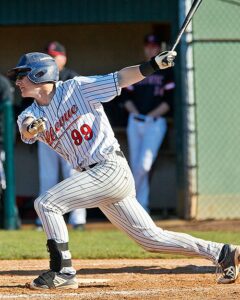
212,111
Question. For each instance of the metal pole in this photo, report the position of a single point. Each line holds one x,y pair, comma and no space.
190,129
10,210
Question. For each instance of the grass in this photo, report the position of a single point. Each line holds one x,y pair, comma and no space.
90,244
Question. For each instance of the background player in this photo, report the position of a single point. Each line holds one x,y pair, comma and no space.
6,94
69,117
147,102
49,161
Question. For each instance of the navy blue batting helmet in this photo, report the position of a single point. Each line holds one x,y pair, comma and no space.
38,67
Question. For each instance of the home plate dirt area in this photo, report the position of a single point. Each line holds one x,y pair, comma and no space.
121,279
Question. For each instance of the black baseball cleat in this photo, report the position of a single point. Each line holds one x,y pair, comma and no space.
53,280
229,264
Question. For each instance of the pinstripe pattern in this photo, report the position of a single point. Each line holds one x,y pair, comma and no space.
107,182
110,187
110,184
85,94
129,216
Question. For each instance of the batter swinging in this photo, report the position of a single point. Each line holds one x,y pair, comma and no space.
69,117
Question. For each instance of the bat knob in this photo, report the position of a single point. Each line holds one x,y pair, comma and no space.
166,59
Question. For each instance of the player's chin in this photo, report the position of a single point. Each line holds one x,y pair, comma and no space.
24,93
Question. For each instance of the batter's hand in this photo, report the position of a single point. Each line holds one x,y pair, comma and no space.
37,126
166,59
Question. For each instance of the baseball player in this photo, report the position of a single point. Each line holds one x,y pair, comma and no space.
147,102
50,161
69,117
6,94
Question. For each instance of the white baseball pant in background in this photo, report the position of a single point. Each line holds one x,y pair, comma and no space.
144,141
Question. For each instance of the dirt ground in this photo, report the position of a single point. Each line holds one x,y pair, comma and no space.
128,279
121,279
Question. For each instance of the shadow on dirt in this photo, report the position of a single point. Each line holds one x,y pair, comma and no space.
190,269
18,286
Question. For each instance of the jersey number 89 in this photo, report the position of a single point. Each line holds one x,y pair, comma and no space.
84,133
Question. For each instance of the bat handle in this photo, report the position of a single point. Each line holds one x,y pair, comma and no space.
165,60
175,44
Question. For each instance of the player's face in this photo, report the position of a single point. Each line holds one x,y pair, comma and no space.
27,88
151,50
60,61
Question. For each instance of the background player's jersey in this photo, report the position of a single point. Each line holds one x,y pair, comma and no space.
151,91
66,74
76,124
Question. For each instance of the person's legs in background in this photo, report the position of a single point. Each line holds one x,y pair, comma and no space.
48,161
134,140
77,217
151,134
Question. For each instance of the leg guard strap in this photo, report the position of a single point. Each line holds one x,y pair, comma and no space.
46,279
57,262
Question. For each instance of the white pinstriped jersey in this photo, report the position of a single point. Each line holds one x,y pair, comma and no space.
76,124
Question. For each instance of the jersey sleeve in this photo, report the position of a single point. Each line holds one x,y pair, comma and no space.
102,88
25,114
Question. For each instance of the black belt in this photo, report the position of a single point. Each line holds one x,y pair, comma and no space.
89,167
143,119
118,153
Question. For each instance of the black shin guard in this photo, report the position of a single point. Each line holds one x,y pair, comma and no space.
223,253
57,261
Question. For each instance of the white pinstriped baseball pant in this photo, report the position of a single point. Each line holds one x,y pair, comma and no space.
110,186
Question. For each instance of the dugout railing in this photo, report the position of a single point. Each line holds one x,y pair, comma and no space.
8,214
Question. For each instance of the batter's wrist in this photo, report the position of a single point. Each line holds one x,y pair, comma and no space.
148,68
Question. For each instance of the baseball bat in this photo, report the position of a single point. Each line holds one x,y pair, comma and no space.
187,20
